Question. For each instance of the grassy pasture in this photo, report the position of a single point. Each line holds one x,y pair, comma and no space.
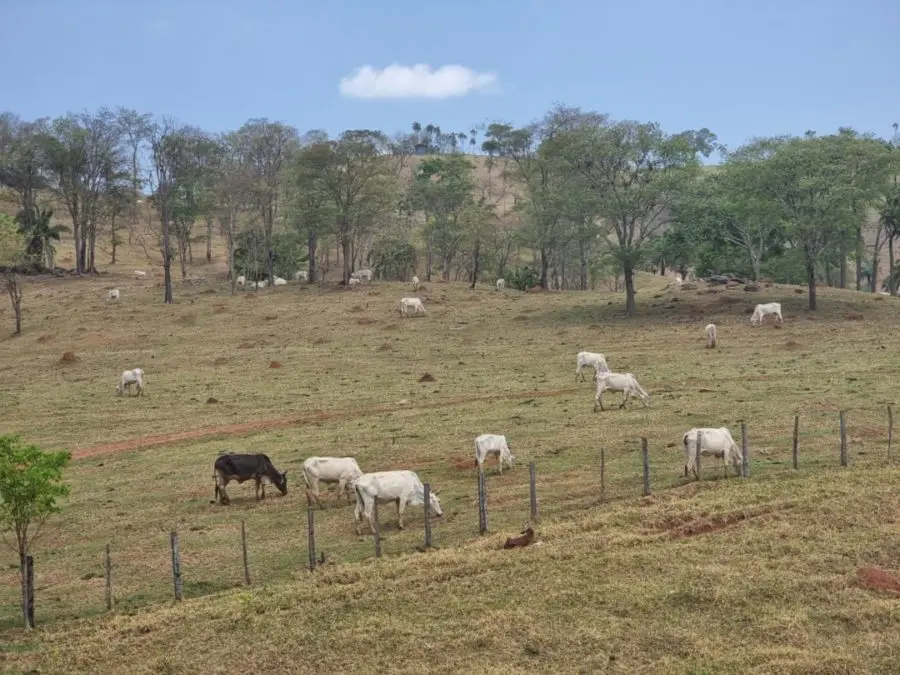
767,585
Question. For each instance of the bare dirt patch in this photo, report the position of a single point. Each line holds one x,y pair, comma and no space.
366,321
793,345
220,361
878,580
43,339
854,316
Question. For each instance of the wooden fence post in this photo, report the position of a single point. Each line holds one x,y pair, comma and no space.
645,459
602,475
377,528
532,479
745,452
29,591
482,503
697,451
843,439
427,487
176,565
890,430
244,551
311,534
107,575
795,448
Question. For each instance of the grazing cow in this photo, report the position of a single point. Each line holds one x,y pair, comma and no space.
353,282
414,304
241,280
598,361
262,283
713,442
711,336
113,295
402,487
364,275
301,275
526,539
415,283
258,468
625,382
764,310
279,282
340,470
140,274
128,378
493,444
251,285
501,284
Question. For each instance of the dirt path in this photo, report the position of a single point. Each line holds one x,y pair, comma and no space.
267,425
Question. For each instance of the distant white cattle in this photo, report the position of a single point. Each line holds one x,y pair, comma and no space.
501,284
262,283
241,280
113,295
140,274
764,310
301,275
128,378
251,285
415,283
365,275
711,336
354,281
714,442
625,382
340,470
402,487
279,282
493,444
411,304
595,360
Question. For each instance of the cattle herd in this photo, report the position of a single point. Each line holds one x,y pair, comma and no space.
404,487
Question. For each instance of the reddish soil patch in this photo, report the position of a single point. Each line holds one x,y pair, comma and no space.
45,338
274,364
878,580
366,321
261,426
853,316
357,308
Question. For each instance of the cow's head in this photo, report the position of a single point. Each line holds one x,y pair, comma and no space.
435,504
282,483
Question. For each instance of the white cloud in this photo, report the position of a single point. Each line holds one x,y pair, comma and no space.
418,81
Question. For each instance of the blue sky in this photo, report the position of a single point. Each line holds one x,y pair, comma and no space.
741,68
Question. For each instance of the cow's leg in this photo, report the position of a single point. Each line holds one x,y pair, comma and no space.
221,481
401,505
625,400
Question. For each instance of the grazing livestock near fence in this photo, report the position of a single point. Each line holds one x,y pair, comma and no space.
764,310
128,378
353,282
262,283
414,304
241,280
501,284
596,361
364,276
140,274
711,336
301,275
625,382
402,487
493,444
241,468
328,470
713,442
113,295
415,283
279,282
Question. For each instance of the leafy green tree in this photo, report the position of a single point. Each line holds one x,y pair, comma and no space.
12,254
40,234
313,211
30,486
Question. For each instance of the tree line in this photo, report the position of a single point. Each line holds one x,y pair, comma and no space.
589,198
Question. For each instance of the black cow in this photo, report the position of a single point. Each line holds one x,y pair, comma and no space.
258,468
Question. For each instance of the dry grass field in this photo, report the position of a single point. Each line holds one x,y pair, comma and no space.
757,575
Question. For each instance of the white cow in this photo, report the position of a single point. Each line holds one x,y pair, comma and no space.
365,275
301,275
128,378
251,285
713,443
711,336
493,444
140,274
764,310
353,282
596,360
501,284
414,304
415,283
262,283
402,487
241,280
279,282
625,382
340,470
113,295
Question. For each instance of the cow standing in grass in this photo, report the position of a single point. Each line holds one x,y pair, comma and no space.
240,468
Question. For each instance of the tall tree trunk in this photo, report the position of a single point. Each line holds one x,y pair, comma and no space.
545,264
842,275
230,242
811,280
167,260
476,259
860,252
76,236
312,242
630,306
209,232
113,242
428,261
891,263
347,253
876,254
92,248
23,554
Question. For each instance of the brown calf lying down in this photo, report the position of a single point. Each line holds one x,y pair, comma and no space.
524,540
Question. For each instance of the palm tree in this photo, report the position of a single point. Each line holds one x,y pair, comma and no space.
34,223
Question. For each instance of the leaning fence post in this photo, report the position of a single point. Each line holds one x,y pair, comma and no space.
532,480
176,565
29,591
377,528
427,487
602,475
645,459
244,551
311,534
890,431
107,575
843,439
795,448
745,452
697,452
482,503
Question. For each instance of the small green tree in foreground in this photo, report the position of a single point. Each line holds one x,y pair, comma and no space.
30,485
